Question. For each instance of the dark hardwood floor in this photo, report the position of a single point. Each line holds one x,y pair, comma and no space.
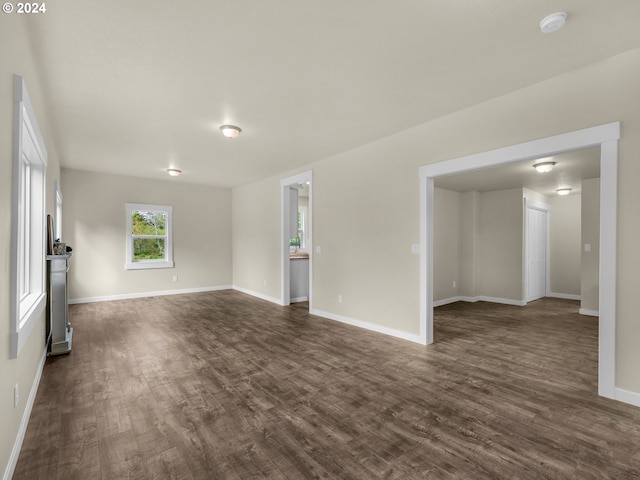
223,385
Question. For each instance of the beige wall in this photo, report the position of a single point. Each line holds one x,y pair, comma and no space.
17,59
365,228
533,195
499,257
447,223
565,245
94,225
457,229
256,234
469,217
590,235
478,244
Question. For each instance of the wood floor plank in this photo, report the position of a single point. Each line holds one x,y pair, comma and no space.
220,385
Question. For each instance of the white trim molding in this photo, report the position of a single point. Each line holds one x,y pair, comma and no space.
590,313
259,295
160,293
566,296
632,398
480,298
285,274
22,430
369,326
28,291
606,137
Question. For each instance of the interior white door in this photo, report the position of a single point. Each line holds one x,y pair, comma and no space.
536,253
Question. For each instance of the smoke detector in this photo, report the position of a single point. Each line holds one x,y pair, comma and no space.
553,22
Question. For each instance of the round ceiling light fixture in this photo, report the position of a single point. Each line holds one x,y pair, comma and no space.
544,167
174,172
230,131
553,22
563,191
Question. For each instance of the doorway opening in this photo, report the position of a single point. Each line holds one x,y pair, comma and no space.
606,136
297,238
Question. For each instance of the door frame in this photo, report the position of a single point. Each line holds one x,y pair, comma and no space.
541,207
285,202
605,136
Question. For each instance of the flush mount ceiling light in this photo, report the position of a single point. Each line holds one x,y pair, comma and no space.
544,167
553,22
174,172
230,131
563,191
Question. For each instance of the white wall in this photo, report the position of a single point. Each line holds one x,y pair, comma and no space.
17,59
365,228
94,225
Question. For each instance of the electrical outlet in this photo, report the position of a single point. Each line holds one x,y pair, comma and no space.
339,298
16,395
175,278
454,284
265,283
318,249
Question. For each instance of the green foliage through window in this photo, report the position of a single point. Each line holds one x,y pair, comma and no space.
297,241
148,230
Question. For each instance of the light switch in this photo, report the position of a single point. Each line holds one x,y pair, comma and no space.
415,248
318,249
587,247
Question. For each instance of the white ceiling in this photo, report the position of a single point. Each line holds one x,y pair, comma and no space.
570,169
137,87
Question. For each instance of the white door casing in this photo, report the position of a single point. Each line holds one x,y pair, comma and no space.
286,220
605,136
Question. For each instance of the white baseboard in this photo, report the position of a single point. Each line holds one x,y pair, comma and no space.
259,295
566,296
626,396
480,298
504,301
591,313
447,301
298,299
126,296
17,445
369,326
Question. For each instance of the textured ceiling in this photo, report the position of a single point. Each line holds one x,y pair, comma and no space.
137,87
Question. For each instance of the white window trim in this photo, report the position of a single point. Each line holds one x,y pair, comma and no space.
145,264
28,214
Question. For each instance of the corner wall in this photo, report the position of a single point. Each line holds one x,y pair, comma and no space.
94,226
565,245
366,200
17,58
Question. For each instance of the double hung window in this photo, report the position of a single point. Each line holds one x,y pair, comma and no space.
28,291
149,236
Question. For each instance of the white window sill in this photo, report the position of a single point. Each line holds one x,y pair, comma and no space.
29,320
148,264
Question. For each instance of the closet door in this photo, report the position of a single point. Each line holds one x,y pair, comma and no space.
536,253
